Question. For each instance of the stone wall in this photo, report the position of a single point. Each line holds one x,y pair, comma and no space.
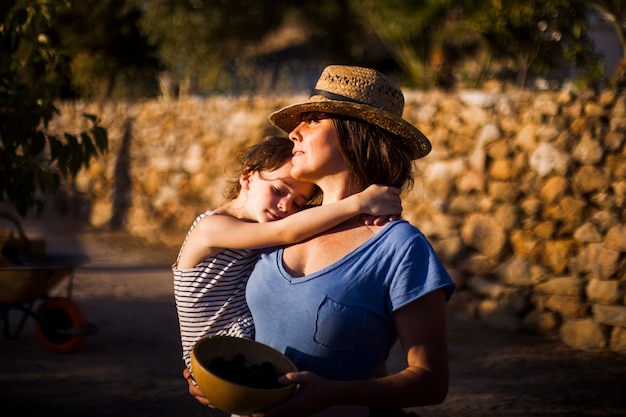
522,196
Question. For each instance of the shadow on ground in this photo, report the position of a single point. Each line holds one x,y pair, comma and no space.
132,366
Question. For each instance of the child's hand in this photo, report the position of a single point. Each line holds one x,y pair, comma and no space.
381,201
370,220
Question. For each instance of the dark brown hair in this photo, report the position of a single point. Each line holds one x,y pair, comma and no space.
374,155
271,153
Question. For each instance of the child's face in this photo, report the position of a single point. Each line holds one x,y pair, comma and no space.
273,195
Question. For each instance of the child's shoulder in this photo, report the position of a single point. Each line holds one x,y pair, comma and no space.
213,218
199,218
202,216
206,213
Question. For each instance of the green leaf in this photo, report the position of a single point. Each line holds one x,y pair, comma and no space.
102,140
37,143
89,150
56,148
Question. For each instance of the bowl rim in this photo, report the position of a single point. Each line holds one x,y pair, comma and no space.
253,389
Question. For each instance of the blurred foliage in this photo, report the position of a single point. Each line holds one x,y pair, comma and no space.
200,39
111,49
138,48
614,12
32,71
110,55
536,34
219,45
222,45
415,34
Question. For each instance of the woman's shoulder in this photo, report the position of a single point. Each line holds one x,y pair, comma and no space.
402,233
403,227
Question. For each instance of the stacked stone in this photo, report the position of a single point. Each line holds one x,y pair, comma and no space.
522,196
527,196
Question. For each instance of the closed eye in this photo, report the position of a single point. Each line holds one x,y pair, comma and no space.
279,191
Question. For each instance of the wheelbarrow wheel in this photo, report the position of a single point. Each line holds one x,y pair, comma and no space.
56,318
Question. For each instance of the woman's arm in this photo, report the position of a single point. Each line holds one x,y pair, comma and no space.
423,382
213,233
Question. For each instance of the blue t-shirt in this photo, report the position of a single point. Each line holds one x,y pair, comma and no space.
337,322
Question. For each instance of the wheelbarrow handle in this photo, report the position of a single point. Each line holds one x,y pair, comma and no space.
19,249
15,223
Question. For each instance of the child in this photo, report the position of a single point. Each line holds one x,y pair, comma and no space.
222,246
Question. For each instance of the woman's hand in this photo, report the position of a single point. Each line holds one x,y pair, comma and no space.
313,395
194,390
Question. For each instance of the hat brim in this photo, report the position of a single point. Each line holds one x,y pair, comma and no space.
288,118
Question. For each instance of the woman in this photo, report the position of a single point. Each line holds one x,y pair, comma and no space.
336,303
263,210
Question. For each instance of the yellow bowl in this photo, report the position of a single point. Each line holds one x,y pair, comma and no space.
230,396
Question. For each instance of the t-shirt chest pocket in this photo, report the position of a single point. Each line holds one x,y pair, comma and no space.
337,326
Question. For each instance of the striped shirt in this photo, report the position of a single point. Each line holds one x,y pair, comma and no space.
211,297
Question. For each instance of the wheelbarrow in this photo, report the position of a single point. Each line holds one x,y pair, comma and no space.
27,275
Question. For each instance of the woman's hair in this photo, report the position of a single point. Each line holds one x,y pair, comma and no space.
271,153
373,155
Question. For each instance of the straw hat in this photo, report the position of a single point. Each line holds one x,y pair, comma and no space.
361,93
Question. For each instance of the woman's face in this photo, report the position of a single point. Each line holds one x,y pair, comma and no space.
316,151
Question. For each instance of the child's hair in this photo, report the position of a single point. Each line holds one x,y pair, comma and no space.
271,153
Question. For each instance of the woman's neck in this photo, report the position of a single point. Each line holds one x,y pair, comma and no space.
334,191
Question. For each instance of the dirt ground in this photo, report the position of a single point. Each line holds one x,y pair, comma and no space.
132,365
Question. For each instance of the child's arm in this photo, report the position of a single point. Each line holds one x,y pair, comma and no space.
213,233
